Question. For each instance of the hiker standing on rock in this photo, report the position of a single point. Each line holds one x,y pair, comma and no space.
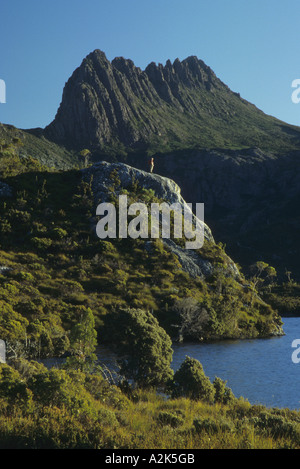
151,165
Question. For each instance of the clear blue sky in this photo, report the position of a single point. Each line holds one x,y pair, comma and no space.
252,45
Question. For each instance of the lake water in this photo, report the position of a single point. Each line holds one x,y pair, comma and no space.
260,370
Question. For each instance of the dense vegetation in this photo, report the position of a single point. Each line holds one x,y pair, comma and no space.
53,268
285,297
62,291
65,409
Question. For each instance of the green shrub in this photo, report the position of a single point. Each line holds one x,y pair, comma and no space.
223,394
211,426
13,388
41,243
147,347
190,381
277,426
25,276
107,417
59,233
168,418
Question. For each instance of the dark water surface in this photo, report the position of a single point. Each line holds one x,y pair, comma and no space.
260,370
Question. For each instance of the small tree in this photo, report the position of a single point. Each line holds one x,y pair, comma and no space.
193,318
223,394
83,342
13,389
288,273
145,347
262,273
85,155
13,329
190,381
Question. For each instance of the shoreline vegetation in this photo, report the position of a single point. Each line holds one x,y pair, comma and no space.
71,409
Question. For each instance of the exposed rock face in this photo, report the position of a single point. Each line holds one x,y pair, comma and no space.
166,190
191,262
5,190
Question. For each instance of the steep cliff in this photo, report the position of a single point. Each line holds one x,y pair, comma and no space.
251,200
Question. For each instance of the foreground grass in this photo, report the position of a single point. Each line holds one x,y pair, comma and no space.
59,409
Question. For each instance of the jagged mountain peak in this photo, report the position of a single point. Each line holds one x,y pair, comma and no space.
192,62
116,107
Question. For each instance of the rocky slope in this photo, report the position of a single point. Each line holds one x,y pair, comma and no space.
33,144
164,189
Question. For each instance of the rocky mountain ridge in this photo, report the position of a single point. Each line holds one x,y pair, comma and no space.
115,107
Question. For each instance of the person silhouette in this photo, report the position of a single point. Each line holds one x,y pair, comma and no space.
151,165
